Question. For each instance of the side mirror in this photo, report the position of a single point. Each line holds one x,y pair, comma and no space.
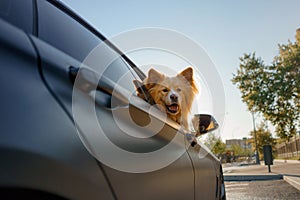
204,123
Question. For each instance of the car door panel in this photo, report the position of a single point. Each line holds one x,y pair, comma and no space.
56,78
205,167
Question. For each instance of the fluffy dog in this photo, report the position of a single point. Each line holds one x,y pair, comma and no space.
172,95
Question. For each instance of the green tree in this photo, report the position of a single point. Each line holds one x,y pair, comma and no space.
251,79
263,137
215,144
286,82
273,90
237,149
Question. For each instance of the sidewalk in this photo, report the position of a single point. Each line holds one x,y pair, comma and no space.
289,171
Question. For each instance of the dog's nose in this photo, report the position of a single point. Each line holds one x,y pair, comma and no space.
173,97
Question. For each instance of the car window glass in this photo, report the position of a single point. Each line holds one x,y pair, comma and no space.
119,73
18,13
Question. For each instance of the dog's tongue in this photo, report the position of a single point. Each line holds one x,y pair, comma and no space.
173,108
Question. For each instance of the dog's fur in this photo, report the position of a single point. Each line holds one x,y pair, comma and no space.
173,95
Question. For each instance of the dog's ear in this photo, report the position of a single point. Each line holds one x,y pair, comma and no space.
187,74
154,76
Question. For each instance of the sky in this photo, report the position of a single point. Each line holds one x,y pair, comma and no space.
224,29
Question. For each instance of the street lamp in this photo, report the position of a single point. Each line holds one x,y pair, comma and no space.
255,139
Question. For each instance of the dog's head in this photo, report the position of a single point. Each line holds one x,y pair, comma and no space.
172,94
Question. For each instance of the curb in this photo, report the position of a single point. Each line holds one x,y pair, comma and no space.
294,181
253,177
288,161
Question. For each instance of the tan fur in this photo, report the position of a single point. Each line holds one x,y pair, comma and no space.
182,86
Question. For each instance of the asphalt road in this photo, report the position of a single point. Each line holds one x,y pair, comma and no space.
261,190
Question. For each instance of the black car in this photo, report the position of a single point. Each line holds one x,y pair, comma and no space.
45,153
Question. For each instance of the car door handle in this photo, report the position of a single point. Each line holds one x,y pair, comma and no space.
88,80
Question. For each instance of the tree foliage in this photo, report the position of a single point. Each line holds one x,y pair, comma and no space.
273,90
263,137
238,150
215,144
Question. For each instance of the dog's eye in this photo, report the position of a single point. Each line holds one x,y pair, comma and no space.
178,90
165,90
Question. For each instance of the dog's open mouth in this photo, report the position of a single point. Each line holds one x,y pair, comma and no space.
173,108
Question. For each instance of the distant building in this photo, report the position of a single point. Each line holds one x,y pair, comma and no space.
235,142
244,143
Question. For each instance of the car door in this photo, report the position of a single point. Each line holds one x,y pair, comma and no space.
143,161
207,176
